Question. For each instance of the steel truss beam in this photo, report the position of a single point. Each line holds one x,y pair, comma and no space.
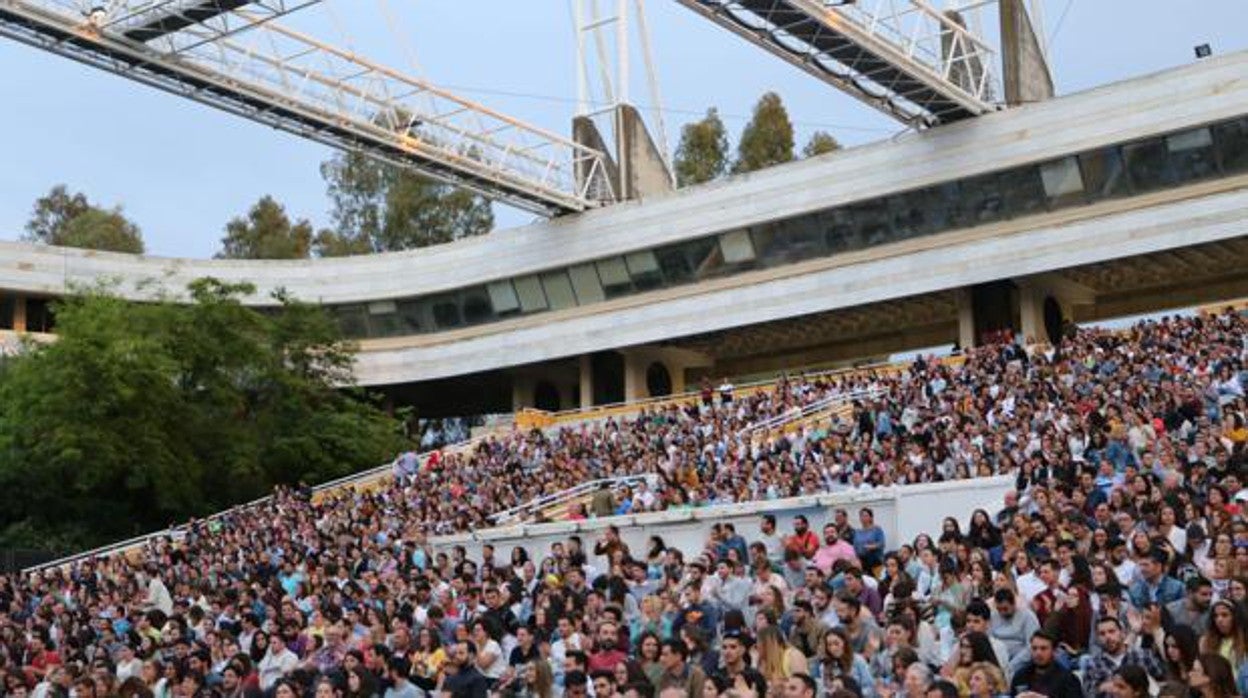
903,57
237,59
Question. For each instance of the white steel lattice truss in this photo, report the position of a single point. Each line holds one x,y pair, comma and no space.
906,58
232,55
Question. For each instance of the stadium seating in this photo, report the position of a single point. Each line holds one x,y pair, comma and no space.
1121,536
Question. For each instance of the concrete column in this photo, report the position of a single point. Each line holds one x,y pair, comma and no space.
635,376
966,319
1031,314
19,313
587,381
677,372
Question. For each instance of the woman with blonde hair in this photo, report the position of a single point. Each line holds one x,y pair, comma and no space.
986,681
775,658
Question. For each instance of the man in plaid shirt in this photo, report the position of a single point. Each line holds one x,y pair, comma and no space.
1113,655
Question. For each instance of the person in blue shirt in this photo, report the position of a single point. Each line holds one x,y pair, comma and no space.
1154,585
869,540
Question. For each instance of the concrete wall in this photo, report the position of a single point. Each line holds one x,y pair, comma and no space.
903,513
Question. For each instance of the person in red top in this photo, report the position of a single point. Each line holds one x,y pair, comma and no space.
803,541
40,657
606,654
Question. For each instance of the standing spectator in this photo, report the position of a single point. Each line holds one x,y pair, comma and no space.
802,541
869,540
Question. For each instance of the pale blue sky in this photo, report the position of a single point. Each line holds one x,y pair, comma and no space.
181,170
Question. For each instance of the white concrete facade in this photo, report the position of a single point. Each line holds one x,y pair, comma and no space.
1184,97
903,512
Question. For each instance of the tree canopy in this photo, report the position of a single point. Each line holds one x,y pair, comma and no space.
377,207
143,414
702,154
767,138
266,233
820,142
70,220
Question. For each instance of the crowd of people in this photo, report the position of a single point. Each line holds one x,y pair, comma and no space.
1118,566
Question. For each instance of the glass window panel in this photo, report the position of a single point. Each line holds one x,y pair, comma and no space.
445,310
353,319
614,277
476,306
407,317
1192,155
982,201
909,211
1063,182
767,243
789,240
674,265
736,247
558,290
1022,191
644,269
704,256
384,321
1104,173
503,298
1232,139
613,272
585,283
873,221
381,308
532,298
1148,164
840,235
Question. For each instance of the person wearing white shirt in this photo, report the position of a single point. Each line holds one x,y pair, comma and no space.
277,663
127,664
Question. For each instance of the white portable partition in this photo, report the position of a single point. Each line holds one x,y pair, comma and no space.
903,512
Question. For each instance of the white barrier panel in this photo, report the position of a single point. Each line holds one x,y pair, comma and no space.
903,512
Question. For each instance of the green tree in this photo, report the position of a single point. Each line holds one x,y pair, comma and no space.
266,233
377,207
820,142
141,415
70,220
702,154
768,137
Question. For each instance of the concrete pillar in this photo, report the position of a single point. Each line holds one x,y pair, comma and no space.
635,376
19,313
677,372
966,319
1031,314
1026,71
587,381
